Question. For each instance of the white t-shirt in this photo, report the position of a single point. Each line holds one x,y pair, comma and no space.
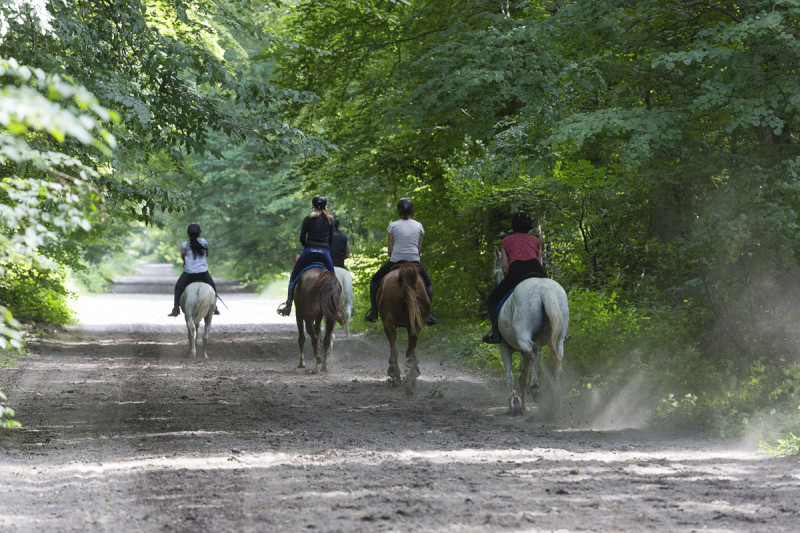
406,234
192,264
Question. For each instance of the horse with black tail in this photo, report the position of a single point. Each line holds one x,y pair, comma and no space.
317,295
403,302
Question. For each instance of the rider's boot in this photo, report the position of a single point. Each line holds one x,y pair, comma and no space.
372,315
432,320
216,310
493,337
175,311
285,308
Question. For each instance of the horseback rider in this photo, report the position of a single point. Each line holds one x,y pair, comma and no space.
194,253
340,247
520,259
405,244
316,236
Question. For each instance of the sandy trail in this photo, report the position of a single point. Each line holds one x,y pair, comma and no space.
123,432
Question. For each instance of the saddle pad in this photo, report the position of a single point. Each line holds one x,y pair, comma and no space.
312,265
500,305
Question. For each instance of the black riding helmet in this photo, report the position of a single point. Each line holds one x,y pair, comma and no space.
521,222
193,229
405,207
319,202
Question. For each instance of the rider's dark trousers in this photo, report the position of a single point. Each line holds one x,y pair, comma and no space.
186,279
517,272
375,282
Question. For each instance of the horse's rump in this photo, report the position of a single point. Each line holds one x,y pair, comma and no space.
536,305
198,300
318,294
402,297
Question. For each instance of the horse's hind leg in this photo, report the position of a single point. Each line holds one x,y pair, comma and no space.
327,342
394,370
206,327
412,365
192,332
301,341
505,355
313,329
523,375
533,383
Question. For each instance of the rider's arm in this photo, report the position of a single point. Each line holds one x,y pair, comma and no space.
304,232
419,245
504,261
347,249
391,244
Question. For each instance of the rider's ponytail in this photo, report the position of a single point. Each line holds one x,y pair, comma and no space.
194,232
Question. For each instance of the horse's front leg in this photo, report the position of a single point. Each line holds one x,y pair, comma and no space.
327,342
391,335
505,355
313,329
301,341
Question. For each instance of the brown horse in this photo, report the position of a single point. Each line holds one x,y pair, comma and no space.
403,302
317,295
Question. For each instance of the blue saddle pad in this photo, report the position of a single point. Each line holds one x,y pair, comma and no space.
500,305
312,265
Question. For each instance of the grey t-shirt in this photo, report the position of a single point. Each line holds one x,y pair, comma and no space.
192,264
406,234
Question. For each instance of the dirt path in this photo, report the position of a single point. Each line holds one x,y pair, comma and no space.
124,433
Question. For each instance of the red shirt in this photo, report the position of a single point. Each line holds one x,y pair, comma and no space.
522,247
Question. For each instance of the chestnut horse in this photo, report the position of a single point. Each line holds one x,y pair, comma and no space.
403,302
317,295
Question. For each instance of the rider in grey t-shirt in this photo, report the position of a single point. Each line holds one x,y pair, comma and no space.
405,244
194,253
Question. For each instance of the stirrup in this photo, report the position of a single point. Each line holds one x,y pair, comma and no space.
372,315
216,310
432,320
284,309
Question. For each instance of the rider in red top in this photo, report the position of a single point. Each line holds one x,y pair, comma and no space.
521,258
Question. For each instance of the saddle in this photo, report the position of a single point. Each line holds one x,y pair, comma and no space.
504,298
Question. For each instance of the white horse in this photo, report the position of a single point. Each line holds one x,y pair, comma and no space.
346,281
536,314
198,302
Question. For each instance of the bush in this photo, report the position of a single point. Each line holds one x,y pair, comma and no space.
34,293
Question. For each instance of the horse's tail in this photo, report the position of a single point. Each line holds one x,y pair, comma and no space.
407,275
553,311
330,297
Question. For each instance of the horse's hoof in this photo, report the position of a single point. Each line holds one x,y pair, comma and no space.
392,372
